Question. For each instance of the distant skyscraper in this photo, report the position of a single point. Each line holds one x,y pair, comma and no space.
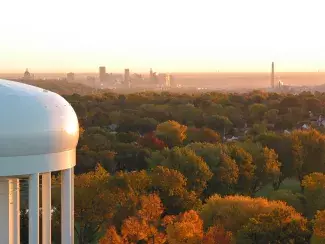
70,77
272,75
127,79
126,76
164,79
153,76
102,73
167,80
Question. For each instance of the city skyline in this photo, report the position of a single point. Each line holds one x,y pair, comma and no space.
168,36
147,72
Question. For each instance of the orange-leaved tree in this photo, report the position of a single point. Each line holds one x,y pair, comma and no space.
144,226
185,228
217,235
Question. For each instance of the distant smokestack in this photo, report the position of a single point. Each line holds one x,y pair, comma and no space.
272,75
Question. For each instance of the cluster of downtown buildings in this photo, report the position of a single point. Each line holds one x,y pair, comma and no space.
128,80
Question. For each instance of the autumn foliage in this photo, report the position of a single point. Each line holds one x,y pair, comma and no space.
205,168
151,141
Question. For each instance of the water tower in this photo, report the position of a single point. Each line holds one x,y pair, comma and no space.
39,132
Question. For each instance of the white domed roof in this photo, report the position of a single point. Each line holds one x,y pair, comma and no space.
35,123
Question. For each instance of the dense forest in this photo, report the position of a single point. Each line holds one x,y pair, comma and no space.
212,168
61,87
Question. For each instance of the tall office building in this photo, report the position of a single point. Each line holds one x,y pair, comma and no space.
167,80
272,75
153,77
102,73
164,79
126,76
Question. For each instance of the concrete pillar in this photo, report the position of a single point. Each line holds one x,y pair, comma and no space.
72,206
33,207
66,207
46,208
6,212
16,210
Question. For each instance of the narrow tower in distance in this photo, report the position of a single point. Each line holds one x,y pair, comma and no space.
102,73
126,75
272,75
151,75
127,80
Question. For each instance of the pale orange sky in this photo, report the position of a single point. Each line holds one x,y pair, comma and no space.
168,35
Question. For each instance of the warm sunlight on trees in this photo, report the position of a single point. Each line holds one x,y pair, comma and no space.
319,228
170,184
193,167
289,150
217,235
245,165
314,191
224,168
267,166
111,237
187,228
93,204
278,226
168,172
171,132
168,180
144,225
233,212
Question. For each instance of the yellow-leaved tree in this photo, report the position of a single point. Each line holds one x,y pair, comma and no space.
93,204
171,132
319,228
314,191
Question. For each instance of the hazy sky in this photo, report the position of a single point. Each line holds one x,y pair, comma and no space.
167,35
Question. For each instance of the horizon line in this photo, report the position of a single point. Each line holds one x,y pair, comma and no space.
170,72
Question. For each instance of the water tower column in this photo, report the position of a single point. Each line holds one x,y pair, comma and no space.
72,204
46,208
67,230
33,205
6,211
16,209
